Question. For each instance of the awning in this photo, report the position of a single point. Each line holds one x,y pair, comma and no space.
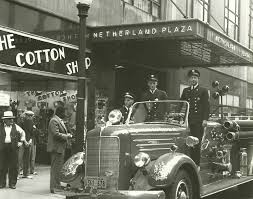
182,43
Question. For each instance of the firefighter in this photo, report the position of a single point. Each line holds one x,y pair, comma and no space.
198,99
128,102
153,93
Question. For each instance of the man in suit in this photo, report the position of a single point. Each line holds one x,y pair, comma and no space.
28,127
198,99
128,102
56,145
153,93
11,138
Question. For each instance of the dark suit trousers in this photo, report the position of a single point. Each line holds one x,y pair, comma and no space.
8,164
57,160
196,130
26,160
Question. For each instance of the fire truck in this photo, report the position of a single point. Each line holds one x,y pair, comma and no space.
148,156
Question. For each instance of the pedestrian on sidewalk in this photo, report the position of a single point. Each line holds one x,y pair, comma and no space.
57,142
11,138
28,127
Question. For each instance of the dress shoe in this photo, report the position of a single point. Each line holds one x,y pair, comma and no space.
52,191
2,186
12,186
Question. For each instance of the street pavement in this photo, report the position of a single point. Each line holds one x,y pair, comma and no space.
36,188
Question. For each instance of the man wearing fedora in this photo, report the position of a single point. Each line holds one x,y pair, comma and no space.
128,102
11,138
198,99
153,93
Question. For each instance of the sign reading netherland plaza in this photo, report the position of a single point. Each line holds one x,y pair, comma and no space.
144,31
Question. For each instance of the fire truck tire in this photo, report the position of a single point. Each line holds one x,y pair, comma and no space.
182,187
245,190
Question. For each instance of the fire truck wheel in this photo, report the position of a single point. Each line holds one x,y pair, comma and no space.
182,187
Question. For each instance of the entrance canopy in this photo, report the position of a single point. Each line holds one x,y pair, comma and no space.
169,44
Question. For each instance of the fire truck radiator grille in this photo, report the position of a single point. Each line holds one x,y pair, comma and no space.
102,156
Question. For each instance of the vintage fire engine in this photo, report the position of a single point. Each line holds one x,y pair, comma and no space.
148,157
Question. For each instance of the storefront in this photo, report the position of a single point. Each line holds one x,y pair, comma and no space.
37,74
129,52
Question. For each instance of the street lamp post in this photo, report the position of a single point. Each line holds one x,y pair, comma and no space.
83,7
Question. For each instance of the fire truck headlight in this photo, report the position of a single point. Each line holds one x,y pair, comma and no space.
141,159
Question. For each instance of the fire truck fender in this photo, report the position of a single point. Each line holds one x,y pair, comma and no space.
166,167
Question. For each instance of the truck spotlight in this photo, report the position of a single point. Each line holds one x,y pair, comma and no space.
115,116
216,95
141,159
225,89
215,84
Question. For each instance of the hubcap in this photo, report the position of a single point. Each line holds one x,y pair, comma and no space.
182,191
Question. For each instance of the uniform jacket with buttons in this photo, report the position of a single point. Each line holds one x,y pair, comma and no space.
125,113
198,99
157,95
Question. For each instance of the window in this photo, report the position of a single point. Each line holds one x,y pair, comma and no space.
230,100
203,10
249,103
152,7
251,26
232,18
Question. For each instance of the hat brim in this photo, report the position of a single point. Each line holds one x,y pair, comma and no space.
194,74
8,117
129,96
153,79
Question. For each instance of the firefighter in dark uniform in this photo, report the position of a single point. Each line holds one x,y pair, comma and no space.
153,93
198,99
128,102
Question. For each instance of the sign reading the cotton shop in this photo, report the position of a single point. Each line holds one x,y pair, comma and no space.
139,31
25,51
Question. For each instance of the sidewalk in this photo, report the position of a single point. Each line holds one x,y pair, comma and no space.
36,188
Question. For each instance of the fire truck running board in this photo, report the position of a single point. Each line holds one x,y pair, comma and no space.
223,185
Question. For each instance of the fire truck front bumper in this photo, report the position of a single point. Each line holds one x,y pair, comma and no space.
121,194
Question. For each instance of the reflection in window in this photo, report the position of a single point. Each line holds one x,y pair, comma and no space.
249,103
152,7
232,18
176,14
251,26
30,20
203,8
230,100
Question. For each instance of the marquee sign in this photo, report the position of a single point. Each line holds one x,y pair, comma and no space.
183,30
228,44
33,52
143,31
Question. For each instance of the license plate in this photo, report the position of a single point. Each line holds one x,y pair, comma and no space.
96,182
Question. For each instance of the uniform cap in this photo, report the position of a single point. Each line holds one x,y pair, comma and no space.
152,78
193,72
129,95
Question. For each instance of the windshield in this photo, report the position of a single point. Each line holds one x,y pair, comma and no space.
166,111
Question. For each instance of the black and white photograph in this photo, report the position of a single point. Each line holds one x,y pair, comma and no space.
126,99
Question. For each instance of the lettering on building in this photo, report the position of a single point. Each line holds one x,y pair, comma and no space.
140,32
72,67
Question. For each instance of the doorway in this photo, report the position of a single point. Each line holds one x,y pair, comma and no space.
134,79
